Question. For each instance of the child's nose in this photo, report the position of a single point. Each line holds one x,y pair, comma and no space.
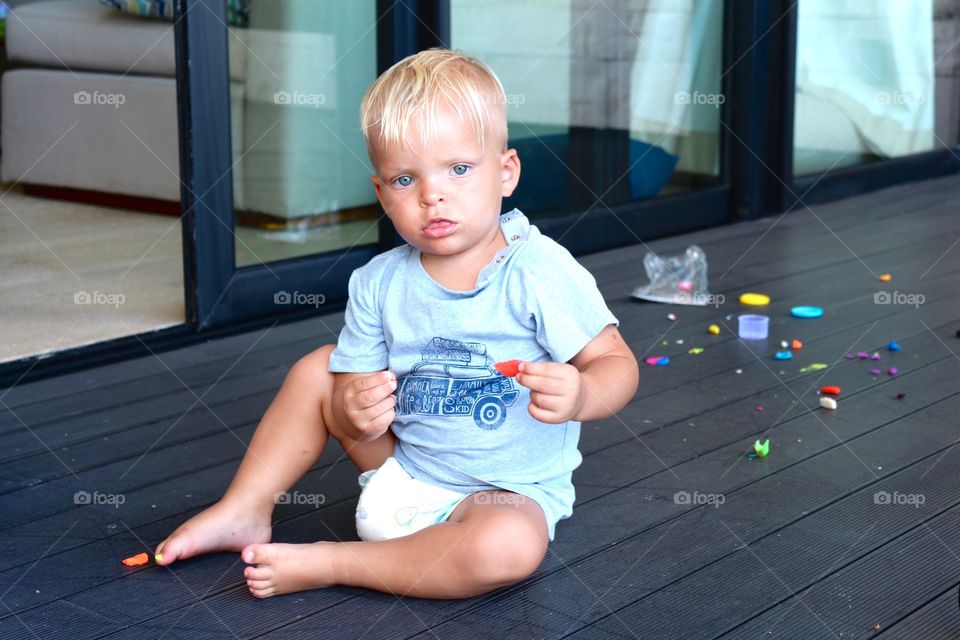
430,193
431,197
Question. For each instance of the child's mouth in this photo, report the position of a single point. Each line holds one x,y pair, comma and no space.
440,229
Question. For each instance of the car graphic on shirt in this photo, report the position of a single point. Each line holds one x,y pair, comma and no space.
455,378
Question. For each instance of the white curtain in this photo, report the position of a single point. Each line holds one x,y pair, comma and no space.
675,82
865,77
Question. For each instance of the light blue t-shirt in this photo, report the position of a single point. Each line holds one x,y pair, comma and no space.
459,423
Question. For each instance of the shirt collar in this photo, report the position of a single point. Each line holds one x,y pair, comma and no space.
516,229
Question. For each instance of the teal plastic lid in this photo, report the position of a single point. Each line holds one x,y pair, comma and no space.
806,312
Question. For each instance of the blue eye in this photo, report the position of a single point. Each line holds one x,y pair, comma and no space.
404,181
460,169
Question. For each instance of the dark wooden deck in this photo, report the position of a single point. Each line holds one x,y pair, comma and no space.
799,547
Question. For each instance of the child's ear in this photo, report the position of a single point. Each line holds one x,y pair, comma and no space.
509,172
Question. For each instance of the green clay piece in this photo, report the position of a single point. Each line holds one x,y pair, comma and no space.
816,366
696,351
761,449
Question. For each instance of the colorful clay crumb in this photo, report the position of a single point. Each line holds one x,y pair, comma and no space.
136,561
754,299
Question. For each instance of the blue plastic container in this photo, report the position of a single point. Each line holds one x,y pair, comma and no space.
753,326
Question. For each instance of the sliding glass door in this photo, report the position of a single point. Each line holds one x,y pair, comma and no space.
90,234
614,107
609,102
301,176
877,93
273,101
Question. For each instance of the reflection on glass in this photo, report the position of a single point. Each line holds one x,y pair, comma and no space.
616,100
875,80
301,174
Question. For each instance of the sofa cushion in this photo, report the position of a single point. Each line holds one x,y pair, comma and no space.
52,135
237,12
52,123
84,34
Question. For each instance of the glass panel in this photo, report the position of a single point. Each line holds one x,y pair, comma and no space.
299,69
875,80
90,233
618,100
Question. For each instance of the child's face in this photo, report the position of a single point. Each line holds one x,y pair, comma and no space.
448,178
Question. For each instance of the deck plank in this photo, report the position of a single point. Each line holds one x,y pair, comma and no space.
936,620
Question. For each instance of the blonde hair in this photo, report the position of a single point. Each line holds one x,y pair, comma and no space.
415,87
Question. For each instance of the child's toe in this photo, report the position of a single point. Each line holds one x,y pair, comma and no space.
260,585
262,593
258,573
257,554
169,550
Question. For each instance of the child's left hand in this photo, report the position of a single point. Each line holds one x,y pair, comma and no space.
556,390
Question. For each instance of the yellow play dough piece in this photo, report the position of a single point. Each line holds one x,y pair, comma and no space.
713,330
885,277
754,299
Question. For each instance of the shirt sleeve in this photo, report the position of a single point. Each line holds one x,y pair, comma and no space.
361,347
562,297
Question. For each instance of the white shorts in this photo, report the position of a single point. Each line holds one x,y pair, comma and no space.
393,503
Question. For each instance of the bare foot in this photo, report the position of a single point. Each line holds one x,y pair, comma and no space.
285,568
222,527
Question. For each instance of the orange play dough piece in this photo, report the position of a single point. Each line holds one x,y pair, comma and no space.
136,561
508,368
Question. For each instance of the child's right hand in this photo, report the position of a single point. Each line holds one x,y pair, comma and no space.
368,403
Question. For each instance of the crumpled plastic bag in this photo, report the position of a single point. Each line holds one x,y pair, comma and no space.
676,280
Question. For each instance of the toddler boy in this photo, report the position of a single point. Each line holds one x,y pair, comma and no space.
465,471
